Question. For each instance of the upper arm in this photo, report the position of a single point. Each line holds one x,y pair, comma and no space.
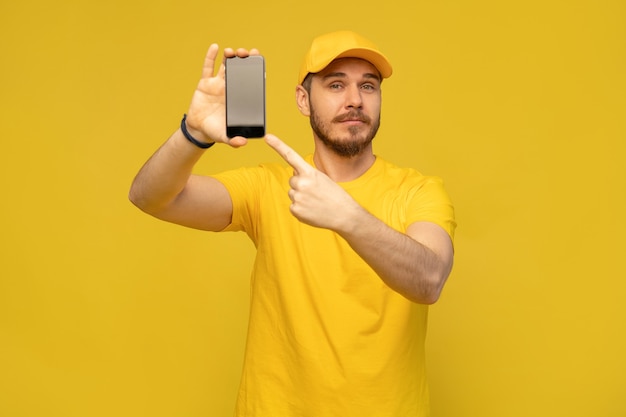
203,204
435,238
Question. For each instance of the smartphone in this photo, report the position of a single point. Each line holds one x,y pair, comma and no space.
245,96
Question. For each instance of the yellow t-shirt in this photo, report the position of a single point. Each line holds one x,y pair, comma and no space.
326,336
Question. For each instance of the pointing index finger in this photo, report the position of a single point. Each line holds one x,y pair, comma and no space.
289,155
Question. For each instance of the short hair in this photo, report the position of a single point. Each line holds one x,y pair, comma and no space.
306,83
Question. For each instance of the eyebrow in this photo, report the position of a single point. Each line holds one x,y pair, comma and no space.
339,74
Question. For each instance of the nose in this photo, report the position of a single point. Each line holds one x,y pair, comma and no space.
353,97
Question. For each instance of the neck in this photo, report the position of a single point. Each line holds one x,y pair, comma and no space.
340,168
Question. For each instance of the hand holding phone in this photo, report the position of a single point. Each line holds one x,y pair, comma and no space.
245,96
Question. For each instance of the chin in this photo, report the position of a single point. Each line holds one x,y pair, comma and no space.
347,148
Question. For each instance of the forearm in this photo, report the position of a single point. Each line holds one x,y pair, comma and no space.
165,175
404,264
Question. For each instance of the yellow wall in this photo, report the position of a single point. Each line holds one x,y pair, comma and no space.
520,106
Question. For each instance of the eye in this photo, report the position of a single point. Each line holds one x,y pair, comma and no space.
335,86
369,87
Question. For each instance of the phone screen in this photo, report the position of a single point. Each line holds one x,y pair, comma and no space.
245,97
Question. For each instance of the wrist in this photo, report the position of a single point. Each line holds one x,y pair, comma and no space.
193,135
356,221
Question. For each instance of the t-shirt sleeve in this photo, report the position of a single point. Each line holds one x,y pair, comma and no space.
244,186
430,202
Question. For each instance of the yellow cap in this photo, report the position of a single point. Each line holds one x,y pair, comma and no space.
343,44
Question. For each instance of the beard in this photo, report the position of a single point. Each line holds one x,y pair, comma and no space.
357,138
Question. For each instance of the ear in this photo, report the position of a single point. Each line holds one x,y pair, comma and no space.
302,101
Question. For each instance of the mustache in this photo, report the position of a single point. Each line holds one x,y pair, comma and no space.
353,115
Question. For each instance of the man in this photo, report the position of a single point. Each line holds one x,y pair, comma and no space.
350,248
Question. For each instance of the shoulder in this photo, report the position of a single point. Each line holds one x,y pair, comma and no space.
266,170
252,180
405,177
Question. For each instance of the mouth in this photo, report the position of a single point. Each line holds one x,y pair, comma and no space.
352,121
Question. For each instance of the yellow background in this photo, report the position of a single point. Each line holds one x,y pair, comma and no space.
520,106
